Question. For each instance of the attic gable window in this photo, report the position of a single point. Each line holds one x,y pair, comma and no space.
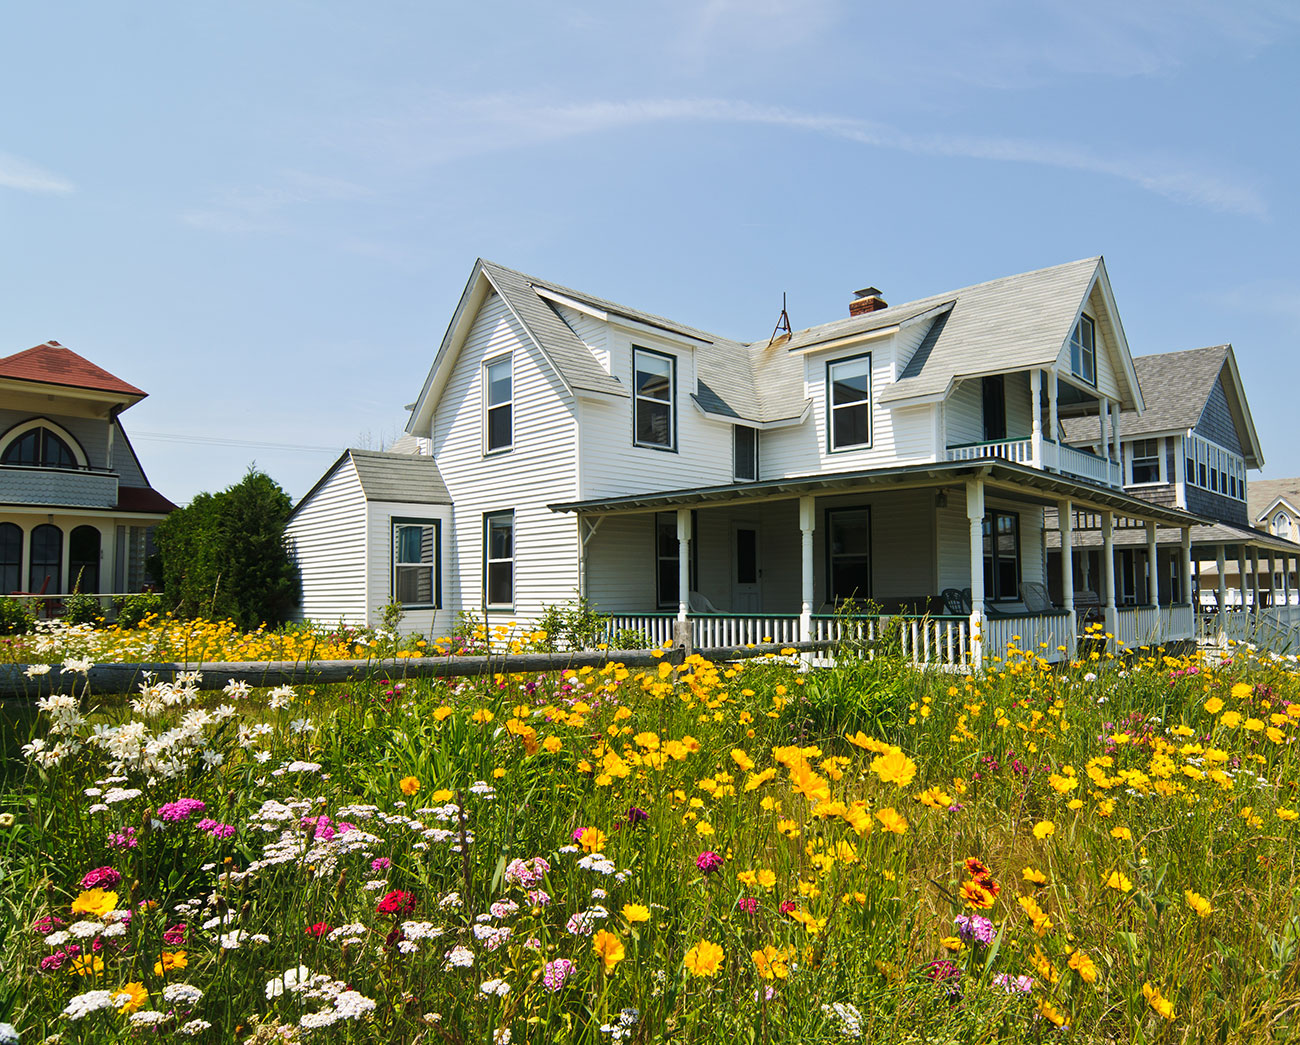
848,396
654,382
498,405
40,448
1083,350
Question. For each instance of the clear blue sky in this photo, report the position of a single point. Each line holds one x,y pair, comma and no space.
263,213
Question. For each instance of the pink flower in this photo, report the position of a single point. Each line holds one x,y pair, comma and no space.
396,902
556,973
175,935
100,878
708,861
181,809
380,863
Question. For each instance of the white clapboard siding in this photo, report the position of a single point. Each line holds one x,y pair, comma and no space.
899,436
327,538
379,574
954,539
538,470
593,332
612,465
964,410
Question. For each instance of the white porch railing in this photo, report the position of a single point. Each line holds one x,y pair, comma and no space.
941,641
1019,450
1044,634
1177,622
1086,465
656,628
712,630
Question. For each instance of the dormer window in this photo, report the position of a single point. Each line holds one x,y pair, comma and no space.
848,395
39,448
654,381
1083,350
498,405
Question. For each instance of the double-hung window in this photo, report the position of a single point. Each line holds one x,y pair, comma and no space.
1001,556
498,405
1146,461
1083,350
668,559
415,562
848,554
744,447
499,559
848,395
654,381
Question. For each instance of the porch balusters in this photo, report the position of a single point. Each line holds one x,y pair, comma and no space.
975,515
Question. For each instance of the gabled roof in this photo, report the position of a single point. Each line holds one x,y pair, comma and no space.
1013,323
1264,495
53,364
1177,388
386,476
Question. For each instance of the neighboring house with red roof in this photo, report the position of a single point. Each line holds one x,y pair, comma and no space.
76,509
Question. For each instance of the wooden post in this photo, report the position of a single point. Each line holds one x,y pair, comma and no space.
1241,575
1053,422
1153,578
1065,517
975,516
1036,416
1222,562
1187,565
1108,572
807,523
683,563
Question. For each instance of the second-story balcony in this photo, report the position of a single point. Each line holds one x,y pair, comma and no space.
64,487
1045,454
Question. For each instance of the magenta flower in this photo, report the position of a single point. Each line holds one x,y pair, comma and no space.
748,904
380,863
181,809
708,861
556,973
125,840
100,878
175,935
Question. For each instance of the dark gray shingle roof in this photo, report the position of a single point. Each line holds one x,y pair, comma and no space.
399,477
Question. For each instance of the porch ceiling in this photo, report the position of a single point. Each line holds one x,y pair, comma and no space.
1005,478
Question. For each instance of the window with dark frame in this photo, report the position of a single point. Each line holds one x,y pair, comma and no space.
83,559
39,448
668,555
499,559
11,558
1146,461
744,453
848,395
995,407
1083,350
848,554
45,559
416,544
1001,556
654,381
498,399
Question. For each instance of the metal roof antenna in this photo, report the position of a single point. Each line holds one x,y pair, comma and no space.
782,323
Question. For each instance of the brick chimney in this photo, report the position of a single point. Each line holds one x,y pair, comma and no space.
866,300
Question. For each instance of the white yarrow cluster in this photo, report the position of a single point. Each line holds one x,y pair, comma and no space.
847,1017
84,1004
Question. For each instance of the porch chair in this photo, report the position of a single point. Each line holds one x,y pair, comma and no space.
955,602
990,610
700,604
1034,596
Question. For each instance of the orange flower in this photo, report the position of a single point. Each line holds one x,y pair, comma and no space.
609,947
409,785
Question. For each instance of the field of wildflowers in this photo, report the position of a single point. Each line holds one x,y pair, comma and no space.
1101,851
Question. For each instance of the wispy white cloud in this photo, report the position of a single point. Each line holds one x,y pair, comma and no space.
458,128
260,208
19,174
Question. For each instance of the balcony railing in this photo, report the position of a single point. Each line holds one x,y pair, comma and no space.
1055,457
65,487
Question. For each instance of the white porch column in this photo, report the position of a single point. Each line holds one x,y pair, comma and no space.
1153,573
683,563
1241,575
1254,579
1108,571
1187,565
1222,563
1036,415
1286,580
975,516
1065,517
1119,444
1103,419
807,523
1053,421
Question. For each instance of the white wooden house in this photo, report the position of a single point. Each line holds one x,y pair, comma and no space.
76,509
667,473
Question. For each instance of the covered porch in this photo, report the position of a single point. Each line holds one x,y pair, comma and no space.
949,560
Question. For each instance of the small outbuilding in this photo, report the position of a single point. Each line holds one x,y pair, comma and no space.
374,531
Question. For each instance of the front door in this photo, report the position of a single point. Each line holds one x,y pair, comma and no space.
746,575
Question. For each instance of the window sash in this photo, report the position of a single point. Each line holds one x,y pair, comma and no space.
1145,467
498,404
668,556
848,554
1001,556
1083,350
499,559
744,445
848,399
416,550
654,393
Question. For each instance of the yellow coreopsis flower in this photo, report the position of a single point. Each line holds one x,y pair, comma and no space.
88,965
892,820
894,767
766,878
482,716
1161,1005
1231,719
409,785
95,901
609,947
1214,705
442,713
742,760
704,959
1287,814
1242,690
635,912
552,744
170,960
1084,966
1119,881
1033,876
1198,903
592,839
1044,829
129,997
441,795
747,877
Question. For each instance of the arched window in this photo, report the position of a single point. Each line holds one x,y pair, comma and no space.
46,559
40,448
11,558
83,559
1282,524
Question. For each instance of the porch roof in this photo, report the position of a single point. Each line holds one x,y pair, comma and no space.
1001,476
1206,535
